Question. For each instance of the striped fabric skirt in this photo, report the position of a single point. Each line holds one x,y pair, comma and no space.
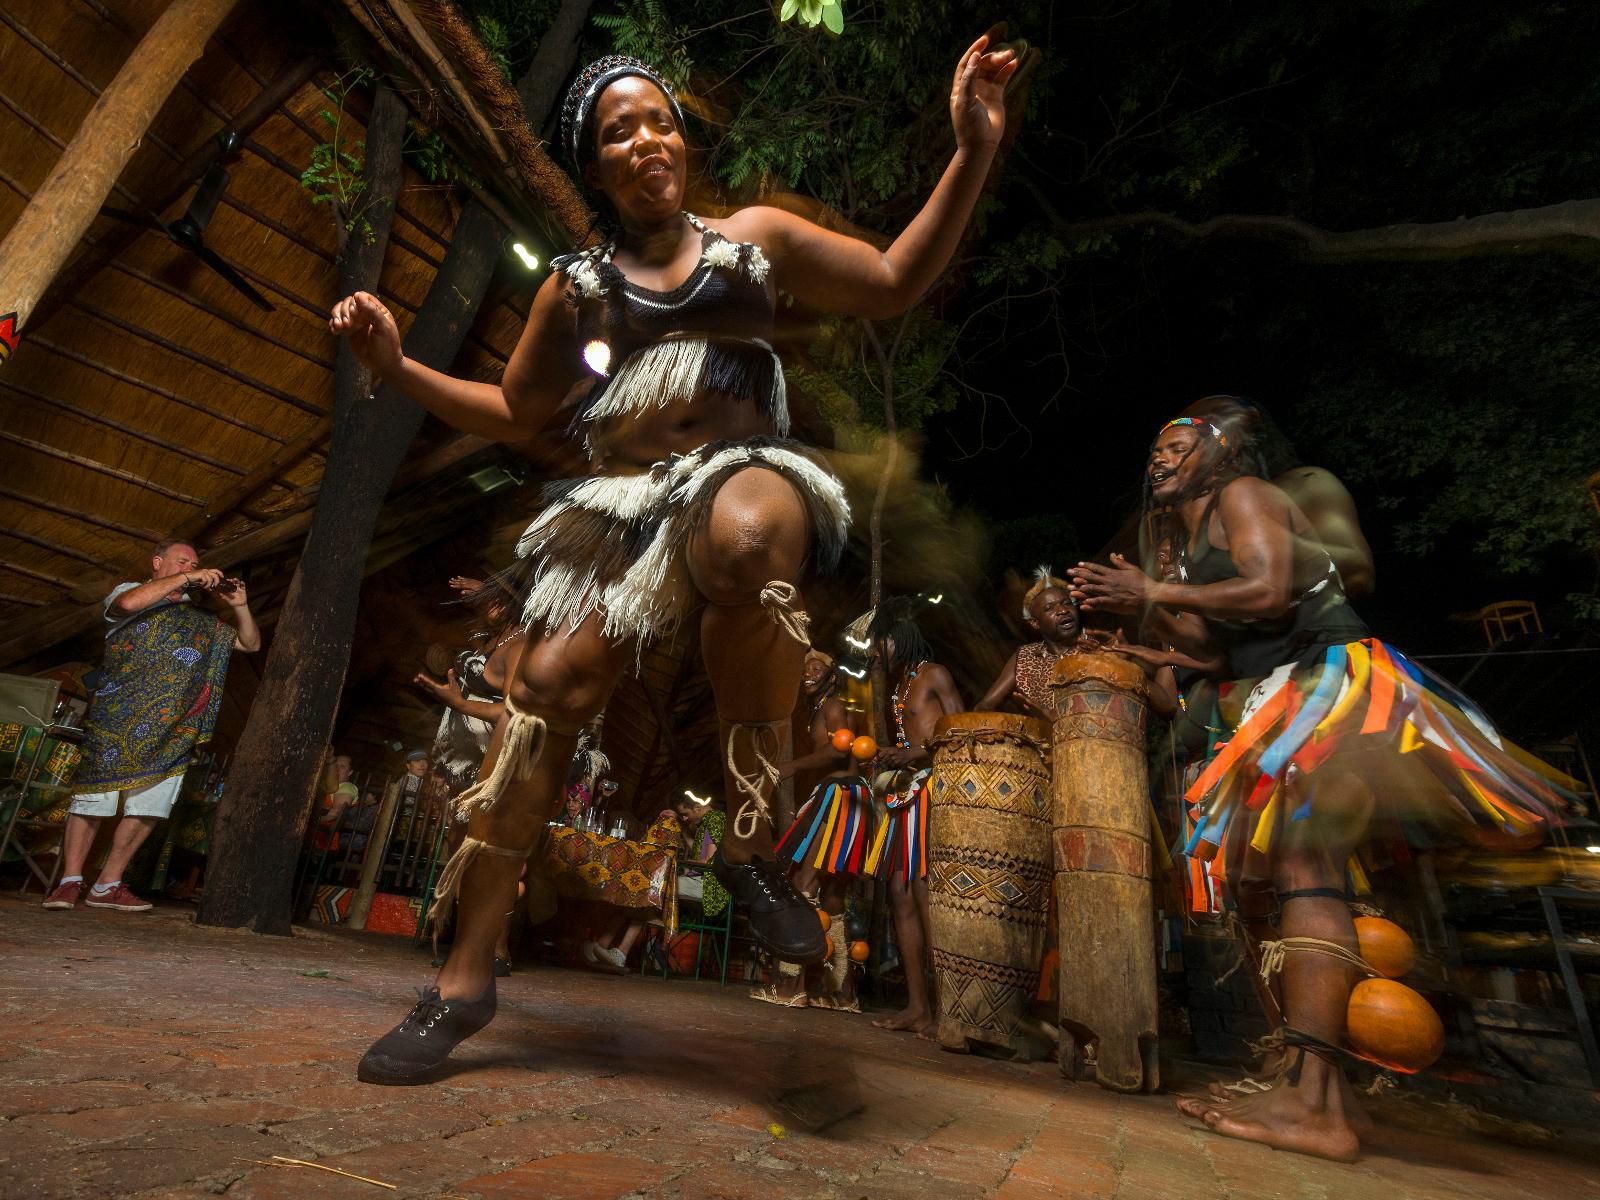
1431,759
832,828
901,846
614,545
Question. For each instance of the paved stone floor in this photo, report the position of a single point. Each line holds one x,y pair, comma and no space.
144,1056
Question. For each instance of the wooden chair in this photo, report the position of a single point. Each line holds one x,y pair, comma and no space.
1497,619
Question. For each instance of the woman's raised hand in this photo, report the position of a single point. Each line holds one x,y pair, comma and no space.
373,335
977,97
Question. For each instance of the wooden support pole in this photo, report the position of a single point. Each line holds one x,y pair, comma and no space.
1104,911
62,210
276,766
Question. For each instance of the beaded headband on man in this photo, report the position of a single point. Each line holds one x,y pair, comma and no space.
594,79
1198,424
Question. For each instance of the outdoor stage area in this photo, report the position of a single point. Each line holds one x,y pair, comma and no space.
147,1057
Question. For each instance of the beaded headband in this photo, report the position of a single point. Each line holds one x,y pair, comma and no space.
1197,423
594,79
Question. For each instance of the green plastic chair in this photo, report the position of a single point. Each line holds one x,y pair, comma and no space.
716,934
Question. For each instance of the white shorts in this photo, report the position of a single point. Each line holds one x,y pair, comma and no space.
156,801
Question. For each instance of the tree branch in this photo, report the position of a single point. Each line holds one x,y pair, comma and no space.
1568,227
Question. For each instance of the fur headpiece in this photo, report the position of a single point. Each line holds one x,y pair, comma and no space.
594,79
820,656
1043,581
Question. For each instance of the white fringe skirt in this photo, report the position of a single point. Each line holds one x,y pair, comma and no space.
614,545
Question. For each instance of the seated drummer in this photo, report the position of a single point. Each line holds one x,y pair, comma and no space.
1049,611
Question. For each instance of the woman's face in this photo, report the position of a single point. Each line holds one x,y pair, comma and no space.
815,672
1173,463
640,163
341,769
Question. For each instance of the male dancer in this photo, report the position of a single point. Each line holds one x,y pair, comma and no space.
921,691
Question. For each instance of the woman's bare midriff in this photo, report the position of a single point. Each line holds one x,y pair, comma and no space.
640,440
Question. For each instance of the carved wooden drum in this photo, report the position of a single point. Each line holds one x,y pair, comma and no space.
989,870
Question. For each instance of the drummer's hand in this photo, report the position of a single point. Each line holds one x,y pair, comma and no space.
232,593
977,95
373,335
1119,588
895,758
462,584
1145,654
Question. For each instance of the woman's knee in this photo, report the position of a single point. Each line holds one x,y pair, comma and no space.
566,679
757,532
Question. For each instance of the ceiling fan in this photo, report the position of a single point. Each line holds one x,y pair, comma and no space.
188,231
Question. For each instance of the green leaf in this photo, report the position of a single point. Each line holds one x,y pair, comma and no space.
833,17
790,7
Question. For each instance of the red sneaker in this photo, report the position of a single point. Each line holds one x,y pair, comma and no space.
66,895
119,898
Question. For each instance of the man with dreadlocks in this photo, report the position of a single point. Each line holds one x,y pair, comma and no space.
1338,726
662,331
920,692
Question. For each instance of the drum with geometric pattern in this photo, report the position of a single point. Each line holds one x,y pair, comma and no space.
989,872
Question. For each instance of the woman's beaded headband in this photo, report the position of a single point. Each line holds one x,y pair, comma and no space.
594,79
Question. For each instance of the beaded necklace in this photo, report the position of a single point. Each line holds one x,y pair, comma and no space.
900,695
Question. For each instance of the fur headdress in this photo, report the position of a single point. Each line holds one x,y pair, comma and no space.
1043,581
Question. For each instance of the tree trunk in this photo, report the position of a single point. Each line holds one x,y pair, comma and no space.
62,210
278,760
273,789
891,459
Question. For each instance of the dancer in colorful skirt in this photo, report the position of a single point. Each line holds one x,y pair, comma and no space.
921,691
1338,727
825,844
662,332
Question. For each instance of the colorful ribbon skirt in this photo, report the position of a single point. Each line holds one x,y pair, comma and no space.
1429,756
901,846
830,831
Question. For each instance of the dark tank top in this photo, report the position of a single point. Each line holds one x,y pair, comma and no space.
1320,617
711,333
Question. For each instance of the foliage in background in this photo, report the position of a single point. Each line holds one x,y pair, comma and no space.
335,174
1452,396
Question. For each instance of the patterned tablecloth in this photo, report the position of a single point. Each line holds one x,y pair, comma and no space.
630,874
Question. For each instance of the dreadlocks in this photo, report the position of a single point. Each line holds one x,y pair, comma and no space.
895,621
1220,459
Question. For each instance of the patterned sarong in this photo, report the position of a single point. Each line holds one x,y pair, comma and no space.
164,671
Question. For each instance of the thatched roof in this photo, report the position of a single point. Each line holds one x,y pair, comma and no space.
151,398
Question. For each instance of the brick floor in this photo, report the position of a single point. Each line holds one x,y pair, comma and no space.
146,1057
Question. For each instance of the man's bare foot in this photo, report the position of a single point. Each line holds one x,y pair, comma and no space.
1283,1119
912,1020
1222,1094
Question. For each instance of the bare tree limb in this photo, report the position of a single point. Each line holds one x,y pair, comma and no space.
1572,226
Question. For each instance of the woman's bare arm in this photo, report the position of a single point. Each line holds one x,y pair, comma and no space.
542,370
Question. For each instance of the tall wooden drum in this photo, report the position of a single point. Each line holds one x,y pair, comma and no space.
989,873
1104,918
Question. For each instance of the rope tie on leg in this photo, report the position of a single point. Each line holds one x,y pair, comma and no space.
520,748
1273,954
780,598
757,785
448,887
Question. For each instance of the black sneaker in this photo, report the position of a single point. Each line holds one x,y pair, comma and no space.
781,919
502,967
415,1050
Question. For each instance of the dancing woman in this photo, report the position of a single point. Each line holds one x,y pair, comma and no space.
697,498
1338,727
